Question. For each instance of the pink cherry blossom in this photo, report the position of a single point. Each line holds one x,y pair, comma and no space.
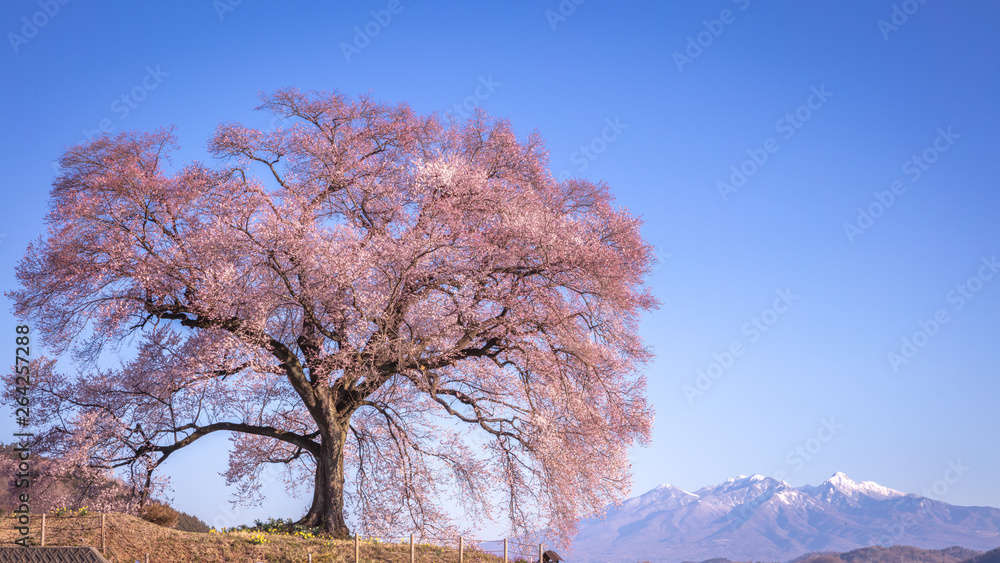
411,316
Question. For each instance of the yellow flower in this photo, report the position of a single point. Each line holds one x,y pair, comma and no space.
259,539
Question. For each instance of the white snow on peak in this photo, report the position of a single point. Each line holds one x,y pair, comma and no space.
786,496
751,478
841,482
840,477
669,487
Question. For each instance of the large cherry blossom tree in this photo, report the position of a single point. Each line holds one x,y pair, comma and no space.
413,314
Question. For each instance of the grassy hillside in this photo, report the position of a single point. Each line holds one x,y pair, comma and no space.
129,539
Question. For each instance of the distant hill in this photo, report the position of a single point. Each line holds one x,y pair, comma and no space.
57,485
54,484
188,523
893,554
991,556
760,519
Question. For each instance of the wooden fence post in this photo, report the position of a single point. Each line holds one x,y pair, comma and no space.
310,558
505,550
539,553
413,551
356,550
103,542
43,530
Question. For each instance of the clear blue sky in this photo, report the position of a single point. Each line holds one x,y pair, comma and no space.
838,103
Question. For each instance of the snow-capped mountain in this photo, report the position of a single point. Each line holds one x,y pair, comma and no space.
758,518
841,489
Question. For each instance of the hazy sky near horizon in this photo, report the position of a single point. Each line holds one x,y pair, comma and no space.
819,180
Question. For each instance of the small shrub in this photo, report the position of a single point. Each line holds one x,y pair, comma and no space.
189,523
160,514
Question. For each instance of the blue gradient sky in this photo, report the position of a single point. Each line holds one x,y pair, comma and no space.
680,132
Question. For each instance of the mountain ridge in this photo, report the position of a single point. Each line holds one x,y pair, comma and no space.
759,518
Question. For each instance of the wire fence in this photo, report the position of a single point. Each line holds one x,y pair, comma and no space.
118,545
94,530
466,550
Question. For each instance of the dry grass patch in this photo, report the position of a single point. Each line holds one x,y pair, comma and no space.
129,539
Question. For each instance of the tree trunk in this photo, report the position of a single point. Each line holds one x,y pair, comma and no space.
327,510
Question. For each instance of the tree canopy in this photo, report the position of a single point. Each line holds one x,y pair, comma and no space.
411,314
